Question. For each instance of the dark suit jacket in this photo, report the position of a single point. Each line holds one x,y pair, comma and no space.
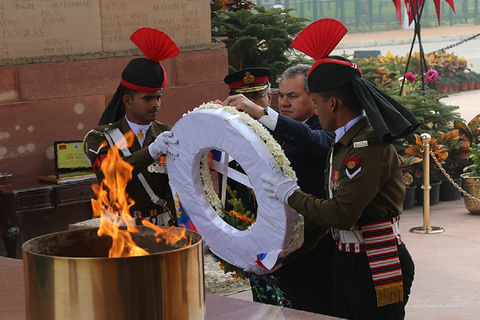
306,145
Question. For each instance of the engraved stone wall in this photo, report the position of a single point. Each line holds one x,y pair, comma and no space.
61,62
32,28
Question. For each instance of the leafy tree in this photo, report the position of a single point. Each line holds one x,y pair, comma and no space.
258,37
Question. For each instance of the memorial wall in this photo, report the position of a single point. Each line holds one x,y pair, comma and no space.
31,28
61,61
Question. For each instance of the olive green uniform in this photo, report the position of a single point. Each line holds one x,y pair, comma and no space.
366,182
376,192
140,159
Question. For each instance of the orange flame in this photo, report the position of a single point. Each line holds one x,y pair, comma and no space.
171,236
112,205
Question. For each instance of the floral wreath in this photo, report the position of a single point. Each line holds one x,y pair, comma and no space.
190,202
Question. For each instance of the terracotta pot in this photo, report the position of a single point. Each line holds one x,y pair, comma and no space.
455,87
442,88
463,86
471,85
472,187
477,84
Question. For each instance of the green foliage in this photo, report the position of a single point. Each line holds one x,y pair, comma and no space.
265,287
471,129
433,114
239,219
457,147
473,170
258,37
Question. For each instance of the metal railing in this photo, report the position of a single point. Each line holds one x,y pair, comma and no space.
426,228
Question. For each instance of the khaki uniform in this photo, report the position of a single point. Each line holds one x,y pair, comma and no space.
140,159
366,182
374,191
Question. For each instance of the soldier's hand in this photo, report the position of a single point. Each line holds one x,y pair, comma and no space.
161,145
280,187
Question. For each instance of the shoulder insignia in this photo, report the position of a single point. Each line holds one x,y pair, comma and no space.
352,167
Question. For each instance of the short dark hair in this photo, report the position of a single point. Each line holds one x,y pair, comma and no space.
127,91
346,93
302,69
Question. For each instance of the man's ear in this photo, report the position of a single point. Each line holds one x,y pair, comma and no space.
270,96
127,100
333,101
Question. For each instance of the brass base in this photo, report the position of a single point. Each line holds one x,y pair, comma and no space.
427,230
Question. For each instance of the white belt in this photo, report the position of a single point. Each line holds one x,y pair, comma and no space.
355,235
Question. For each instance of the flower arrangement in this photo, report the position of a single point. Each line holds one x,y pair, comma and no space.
237,217
410,77
431,76
384,70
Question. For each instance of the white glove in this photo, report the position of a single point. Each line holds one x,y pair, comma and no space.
161,145
281,187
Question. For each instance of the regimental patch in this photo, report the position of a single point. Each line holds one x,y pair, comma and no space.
98,161
360,144
352,166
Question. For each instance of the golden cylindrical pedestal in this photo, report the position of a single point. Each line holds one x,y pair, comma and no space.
68,275
426,228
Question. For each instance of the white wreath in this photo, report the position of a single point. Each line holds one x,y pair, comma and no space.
278,229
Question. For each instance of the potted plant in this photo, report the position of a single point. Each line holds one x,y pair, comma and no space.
462,80
456,82
471,181
457,149
444,84
476,78
471,130
470,80
411,165
416,150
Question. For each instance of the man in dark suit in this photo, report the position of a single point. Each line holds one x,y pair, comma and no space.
306,277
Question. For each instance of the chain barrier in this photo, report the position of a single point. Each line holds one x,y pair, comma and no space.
457,44
465,193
